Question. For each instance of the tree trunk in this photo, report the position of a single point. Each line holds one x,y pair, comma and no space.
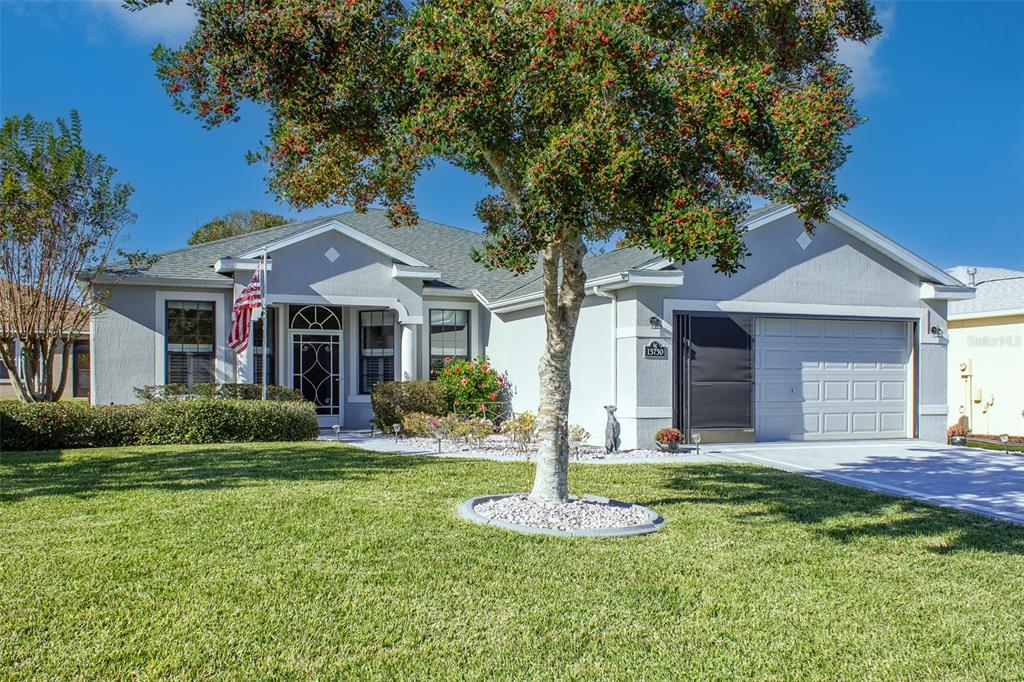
564,292
33,376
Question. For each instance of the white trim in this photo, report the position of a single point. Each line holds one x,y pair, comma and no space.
350,301
441,292
335,225
932,410
657,263
92,359
227,265
981,314
475,340
901,255
671,305
191,282
399,271
940,292
768,217
658,412
220,348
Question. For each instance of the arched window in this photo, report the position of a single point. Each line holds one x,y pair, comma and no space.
314,317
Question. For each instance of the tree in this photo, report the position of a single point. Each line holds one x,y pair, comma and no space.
60,213
235,223
653,119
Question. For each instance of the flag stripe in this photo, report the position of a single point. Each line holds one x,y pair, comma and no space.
241,312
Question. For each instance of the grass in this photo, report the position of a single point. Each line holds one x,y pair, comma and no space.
988,445
317,560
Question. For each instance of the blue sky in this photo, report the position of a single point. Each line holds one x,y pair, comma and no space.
938,167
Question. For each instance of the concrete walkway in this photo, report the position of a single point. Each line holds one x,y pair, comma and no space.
969,479
980,481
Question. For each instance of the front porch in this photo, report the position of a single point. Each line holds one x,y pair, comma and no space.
333,354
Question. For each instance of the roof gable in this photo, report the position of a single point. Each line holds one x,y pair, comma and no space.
876,240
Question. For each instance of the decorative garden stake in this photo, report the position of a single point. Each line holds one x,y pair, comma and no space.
396,428
611,431
647,120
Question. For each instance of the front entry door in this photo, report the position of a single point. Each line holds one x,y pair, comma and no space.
317,372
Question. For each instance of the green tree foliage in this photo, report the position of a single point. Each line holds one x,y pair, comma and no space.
60,213
653,119
235,223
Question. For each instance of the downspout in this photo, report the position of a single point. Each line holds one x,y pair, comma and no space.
597,291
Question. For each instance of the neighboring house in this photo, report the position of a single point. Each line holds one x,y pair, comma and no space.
78,371
986,351
77,385
838,335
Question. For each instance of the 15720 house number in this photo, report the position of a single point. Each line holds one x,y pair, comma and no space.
655,350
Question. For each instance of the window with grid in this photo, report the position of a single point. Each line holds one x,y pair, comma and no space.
190,335
449,337
376,348
257,348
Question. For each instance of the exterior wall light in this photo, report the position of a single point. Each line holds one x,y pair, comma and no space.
655,322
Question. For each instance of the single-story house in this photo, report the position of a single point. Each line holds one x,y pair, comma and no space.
986,351
836,335
77,372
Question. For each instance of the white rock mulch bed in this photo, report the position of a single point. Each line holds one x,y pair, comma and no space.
500,448
577,514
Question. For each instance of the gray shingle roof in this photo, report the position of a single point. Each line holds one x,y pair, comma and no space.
441,246
610,263
996,289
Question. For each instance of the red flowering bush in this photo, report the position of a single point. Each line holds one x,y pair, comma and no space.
472,387
668,436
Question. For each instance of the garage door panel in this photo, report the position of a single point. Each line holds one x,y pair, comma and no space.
831,379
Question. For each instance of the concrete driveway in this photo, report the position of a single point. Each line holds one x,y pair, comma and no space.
979,481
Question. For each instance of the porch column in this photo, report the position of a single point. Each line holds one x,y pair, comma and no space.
408,368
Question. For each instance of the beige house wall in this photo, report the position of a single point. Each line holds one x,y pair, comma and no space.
9,392
994,348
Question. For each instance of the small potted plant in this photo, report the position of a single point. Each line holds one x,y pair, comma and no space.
668,440
957,434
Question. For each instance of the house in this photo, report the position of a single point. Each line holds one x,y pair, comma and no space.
77,379
835,335
986,351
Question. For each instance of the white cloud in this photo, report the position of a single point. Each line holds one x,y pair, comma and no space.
868,75
170,24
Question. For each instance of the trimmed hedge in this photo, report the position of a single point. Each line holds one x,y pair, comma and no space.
52,426
392,400
149,394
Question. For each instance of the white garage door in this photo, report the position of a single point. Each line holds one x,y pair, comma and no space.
830,379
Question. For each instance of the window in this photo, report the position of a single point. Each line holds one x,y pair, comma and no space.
376,348
449,337
257,348
80,367
190,341
4,374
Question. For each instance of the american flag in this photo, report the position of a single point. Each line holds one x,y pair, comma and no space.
251,297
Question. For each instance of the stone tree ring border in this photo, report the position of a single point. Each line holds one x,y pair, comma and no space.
654,523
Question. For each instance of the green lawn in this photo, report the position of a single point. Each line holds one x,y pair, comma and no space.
300,560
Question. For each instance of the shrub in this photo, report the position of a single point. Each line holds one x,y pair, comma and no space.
578,434
958,429
150,394
392,400
668,436
470,385
520,429
45,426
418,424
471,429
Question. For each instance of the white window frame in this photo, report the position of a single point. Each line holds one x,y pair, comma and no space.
220,361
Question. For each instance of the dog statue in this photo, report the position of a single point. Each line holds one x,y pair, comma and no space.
611,431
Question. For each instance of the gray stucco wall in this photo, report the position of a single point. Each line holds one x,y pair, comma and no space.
836,270
303,270
126,343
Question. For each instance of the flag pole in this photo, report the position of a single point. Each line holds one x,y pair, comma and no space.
266,322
